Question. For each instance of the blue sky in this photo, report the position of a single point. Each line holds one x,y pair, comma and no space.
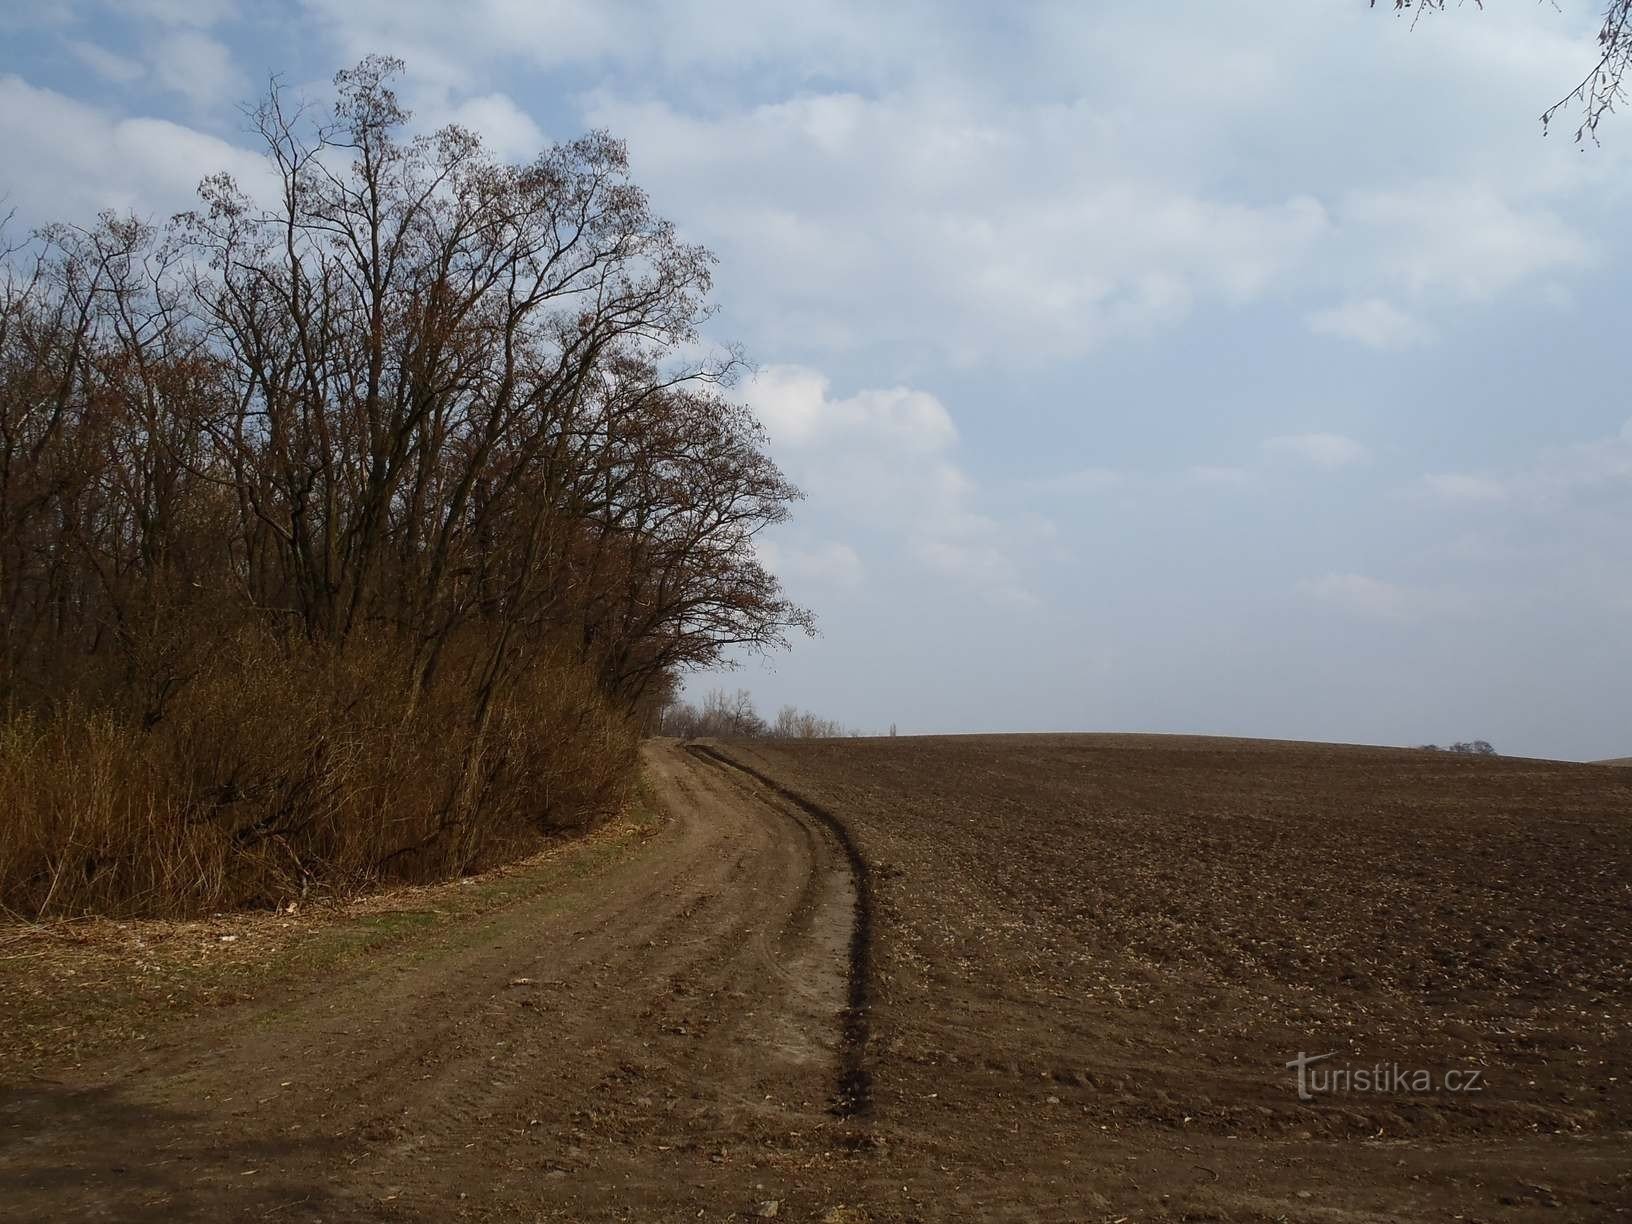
1251,369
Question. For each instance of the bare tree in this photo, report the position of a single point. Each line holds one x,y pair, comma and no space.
419,407
1464,748
794,723
1600,91
461,394
723,715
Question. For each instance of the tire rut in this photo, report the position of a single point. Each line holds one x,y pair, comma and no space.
854,1095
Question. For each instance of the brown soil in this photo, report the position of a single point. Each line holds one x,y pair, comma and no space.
1031,978
1095,954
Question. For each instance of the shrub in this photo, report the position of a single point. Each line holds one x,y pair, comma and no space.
286,770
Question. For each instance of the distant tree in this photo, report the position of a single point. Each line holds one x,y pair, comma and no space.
794,723
1464,748
1601,90
744,719
721,716
725,715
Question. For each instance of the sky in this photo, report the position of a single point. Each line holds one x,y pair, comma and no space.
1250,369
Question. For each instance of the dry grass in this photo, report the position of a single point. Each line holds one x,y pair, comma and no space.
281,774
77,987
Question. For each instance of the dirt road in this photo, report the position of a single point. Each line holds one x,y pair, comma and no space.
661,1040
1018,978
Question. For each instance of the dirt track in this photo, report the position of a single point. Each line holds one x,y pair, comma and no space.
1024,978
662,1039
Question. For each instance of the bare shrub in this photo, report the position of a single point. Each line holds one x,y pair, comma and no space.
733,716
1464,748
290,770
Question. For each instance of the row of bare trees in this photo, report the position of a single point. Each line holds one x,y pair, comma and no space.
723,715
418,392
399,397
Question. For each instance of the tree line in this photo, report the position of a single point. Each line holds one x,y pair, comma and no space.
401,409
723,715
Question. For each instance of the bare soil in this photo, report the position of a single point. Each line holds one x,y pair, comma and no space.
1095,955
1028,978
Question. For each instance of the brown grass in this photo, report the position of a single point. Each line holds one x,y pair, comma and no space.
74,988
282,772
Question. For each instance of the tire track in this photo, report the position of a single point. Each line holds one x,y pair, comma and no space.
854,1095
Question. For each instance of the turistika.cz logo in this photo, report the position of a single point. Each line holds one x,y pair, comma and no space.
1315,1080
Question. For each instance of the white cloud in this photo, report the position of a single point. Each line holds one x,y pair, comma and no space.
1463,241
1328,450
1129,482
1325,450
1219,475
81,159
795,406
456,41
1585,468
31,17
1025,232
1373,322
1065,193
827,564
1086,480
507,131
974,550
180,12
1462,487
1558,477
196,66
974,232
1364,596
882,459
119,69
